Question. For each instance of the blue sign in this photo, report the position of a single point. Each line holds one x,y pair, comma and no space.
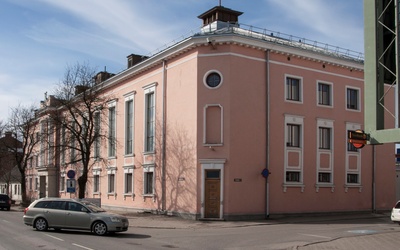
71,184
71,174
265,173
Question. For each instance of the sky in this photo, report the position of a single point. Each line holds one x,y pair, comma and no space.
39,39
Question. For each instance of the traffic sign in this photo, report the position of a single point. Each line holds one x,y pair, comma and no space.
71,184
71,174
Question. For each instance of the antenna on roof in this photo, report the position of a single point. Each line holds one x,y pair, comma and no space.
220,2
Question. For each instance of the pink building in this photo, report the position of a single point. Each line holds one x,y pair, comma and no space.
199,122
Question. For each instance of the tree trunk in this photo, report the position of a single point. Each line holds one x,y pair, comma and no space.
82,180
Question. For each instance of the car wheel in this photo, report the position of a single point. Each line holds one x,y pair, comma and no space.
8,209
41,224
99,228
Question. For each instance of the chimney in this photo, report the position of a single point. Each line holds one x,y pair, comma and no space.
80,89
102,76
134,59
219,17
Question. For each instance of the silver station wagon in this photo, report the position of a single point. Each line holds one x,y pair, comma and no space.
59,213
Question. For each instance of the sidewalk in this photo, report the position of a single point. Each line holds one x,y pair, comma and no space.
147,220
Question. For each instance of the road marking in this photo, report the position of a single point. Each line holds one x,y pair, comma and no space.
82,246
318,236
51,236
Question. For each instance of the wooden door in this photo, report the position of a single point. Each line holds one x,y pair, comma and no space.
212,194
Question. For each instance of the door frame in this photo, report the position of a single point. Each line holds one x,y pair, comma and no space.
212,164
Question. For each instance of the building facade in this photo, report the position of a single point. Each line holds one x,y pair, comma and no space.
233,123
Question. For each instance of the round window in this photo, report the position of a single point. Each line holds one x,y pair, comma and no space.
213,80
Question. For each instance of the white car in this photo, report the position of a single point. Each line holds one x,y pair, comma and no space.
395,215
61,213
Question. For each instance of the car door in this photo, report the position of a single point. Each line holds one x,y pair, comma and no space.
55,214
77,216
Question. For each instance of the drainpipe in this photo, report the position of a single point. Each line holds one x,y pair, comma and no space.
267,132
163,181
373,178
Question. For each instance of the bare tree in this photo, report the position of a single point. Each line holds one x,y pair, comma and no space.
23,125
78,118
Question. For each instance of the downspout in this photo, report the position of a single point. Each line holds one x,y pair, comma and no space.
267,132
163,150
373,178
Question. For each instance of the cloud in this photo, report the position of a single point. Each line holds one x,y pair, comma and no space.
336,23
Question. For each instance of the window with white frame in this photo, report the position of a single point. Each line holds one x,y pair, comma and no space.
37,183
96,182
293,88
325,151
128,188
72,143
293,135
30,183
63,140
293,163
96,120
111,130
148,180
111,183
353,159
324,94
129,126
149,132
324,138
353,98
62,182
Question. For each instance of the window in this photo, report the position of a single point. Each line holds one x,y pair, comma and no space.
129,127
292,176
351,148
111,183
148,180
352,99
111,131
96,153
37,183
324,177
293,135
150,122
128,183
96,183
324,138
213,79
293,87
30,183
62,183
72,145
63,145
324,94
352,178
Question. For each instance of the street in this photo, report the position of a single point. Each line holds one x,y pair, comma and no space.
373,232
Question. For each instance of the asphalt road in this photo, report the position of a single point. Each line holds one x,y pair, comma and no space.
350,233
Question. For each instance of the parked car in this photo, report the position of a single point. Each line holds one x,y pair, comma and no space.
59,213
5,202
395,215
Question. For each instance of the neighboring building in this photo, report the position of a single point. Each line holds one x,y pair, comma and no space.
10,177
198,122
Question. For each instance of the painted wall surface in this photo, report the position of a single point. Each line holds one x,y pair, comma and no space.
253,127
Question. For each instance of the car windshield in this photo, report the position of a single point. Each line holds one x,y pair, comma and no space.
93,207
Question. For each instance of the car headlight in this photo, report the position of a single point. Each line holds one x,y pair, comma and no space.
115,219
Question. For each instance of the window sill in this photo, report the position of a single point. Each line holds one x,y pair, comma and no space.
129,195
324,185
213,145
355,185
293,185
149,196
